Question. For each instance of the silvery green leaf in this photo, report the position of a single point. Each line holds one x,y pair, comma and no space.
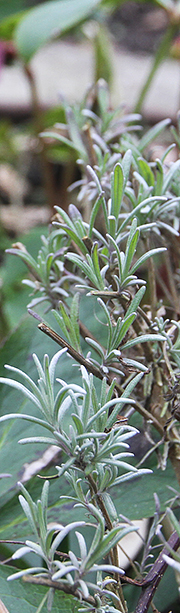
65,570
29,514
95,260
115,354
132,475
152,133
146,171
117,190
38,366
94,213
95,345
27,571
37,439
168,177
35,548
53,363
135,364
73,559
21,552
109,541
61,469
42,521
63,533
107,568
29,283
109,505
112,225
173,563
26,257
94,545
74,317
63,409
82,545
110,403
145,256
35,420
140,179
129,388
94,176
63,441
123,329
143,339
131,245
137,208
44,494
84,588
20,387
78,423
173,520
136,300
121,464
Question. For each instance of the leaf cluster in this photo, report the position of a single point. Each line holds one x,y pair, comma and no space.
128,360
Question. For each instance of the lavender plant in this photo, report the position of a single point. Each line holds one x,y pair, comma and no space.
126,253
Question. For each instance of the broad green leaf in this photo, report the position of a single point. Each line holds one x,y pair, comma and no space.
21,596
48,21
133,499
11,8
9,24
15,294
18,351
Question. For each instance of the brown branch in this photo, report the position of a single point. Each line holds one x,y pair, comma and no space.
59,585
74,354
171,281
98,373
155,575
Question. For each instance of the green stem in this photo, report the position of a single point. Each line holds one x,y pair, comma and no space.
152,281
114,551
160,55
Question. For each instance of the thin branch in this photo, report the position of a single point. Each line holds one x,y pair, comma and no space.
74,354
171,281
155,575
59,585
152,282
114,552
98,373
